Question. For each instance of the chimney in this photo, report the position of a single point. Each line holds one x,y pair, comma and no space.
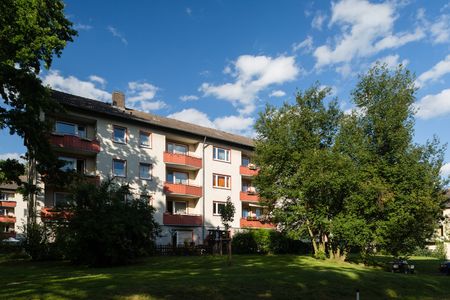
118,99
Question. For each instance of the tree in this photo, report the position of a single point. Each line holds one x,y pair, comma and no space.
32,32
400,190
227,216
107,226
302,178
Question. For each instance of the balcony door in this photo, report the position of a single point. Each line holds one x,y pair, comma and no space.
177,207
177,148
178,177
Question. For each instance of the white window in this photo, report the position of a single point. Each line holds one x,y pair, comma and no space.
221,154
144,139
71,129
221,181
72,164
61,199
177,207
177,148
5,196
178,177
217,207
120,134
119,167
145,171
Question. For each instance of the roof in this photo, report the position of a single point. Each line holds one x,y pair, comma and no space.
12,185
99,107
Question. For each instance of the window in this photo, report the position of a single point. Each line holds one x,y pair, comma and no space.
119,168
221,181
145,171
69,128
184,237
178,177
177,148
61,199
217,207
245,161
144,139
5,196
221,154
177,207
72,164
246,185
120,134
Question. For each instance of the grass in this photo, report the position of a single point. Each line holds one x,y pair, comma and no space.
209,277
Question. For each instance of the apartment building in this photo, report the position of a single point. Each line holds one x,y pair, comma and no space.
186,171
13,212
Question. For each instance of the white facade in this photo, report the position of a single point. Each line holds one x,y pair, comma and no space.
13,212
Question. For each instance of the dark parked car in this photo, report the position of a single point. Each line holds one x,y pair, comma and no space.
402,266
445,267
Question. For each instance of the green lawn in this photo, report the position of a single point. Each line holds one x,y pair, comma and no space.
250,277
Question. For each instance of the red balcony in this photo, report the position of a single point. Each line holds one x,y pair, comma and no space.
182,220
249,197
53,214
7,219
74,143
182,190
247,172
254,223
182,161
6,235
8,203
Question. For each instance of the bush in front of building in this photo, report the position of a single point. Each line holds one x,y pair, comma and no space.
108,227
263,241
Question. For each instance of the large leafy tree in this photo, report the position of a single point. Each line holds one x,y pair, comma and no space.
32,32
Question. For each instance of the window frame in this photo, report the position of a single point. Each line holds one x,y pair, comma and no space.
125,134
150,166
186,211
216,150
125,167
149,134
222,187
179,172
54,197
216,204
178,144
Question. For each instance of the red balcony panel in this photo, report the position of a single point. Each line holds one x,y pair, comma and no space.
182,160
72,142
245,171
6,235
52,214
8,203
245,196
248,223
7,219
182,190
182,220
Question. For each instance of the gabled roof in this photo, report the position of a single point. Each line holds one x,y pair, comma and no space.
98,107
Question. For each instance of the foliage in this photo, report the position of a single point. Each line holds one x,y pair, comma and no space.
227,213
41,242
107,226
11,170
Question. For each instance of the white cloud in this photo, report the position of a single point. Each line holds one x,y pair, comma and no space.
432,106
140,95
318,20
367,28
80,26
306,44
437,71
277,93
117,34
392,61
12,155
73,85
234,124
98,79
445,170
252,74
186,98
440,31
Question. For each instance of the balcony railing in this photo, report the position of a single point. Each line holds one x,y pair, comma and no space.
182,220
8,203
54,214
7,219
72,142
247,172
249,197
182,160
176,189
254,223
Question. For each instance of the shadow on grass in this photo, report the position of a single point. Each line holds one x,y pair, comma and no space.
250,277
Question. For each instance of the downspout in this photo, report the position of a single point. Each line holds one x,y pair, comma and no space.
203,189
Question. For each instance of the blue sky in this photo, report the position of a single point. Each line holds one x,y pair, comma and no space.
216,63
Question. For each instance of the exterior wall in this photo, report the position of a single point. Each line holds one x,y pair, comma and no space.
19,211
